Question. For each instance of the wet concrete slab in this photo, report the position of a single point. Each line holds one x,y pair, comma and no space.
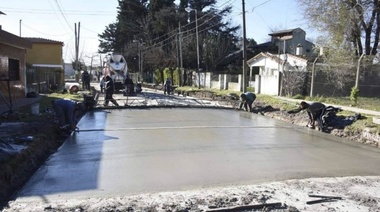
152,98
124,152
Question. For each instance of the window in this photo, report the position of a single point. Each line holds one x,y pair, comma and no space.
13,69
272,71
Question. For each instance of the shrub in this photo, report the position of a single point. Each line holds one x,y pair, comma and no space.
251,89
354,94
298,96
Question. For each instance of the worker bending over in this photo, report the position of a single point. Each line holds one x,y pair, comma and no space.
314,111
67,112
247,100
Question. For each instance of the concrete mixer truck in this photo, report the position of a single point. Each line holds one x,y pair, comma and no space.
116,67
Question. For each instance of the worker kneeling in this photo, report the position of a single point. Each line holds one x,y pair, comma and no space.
315,111
247,100
67,112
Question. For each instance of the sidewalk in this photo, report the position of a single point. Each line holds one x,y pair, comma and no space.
352,109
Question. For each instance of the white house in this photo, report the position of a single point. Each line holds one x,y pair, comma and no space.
271,67
292,41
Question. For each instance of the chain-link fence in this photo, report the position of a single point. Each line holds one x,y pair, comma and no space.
330,83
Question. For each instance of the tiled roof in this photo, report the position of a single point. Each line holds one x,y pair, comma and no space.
42,40
265,55
14,40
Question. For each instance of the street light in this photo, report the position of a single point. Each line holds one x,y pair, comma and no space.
188,9
140,44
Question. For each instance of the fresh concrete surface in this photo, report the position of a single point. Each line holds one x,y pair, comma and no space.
123,152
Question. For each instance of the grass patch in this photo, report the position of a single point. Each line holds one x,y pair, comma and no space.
362,102
45,101
282,104
361,124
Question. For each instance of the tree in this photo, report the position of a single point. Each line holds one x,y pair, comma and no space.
216,48
213,33
347,22
351,29
108,39
151,27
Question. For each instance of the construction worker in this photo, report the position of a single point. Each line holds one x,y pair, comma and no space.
67,112
109,89
167,86
101,83
247,100
86,80
314,111
129,86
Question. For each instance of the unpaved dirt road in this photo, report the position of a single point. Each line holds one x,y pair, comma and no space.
125,159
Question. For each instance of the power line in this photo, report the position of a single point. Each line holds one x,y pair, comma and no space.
160,43
174,32
200,18
44,32
48,12
56,15
188,35
63,14
259,5
89,30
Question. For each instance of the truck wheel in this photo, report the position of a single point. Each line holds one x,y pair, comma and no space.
74,89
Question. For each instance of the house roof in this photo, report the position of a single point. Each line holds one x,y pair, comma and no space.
236,55
265,55
276,58
14,40
297,57
263,45
284,32
43,40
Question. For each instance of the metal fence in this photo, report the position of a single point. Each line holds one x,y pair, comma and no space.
43,80
332,83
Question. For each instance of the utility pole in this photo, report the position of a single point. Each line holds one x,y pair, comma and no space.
358,71
142,62
244,89
139,45
313,77
177,55
101,67
188,9
77,35
139,62
313,72
92,59
20,27
180,55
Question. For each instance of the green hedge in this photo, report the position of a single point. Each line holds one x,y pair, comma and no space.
161,75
